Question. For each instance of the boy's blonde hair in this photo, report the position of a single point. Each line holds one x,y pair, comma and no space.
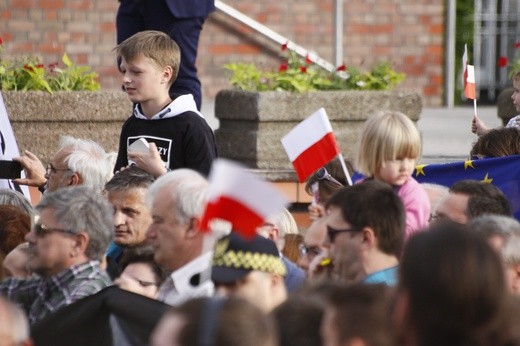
156,45
387,135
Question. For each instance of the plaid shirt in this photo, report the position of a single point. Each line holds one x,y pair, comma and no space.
40,297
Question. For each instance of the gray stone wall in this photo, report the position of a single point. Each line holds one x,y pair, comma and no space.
39,118
252,124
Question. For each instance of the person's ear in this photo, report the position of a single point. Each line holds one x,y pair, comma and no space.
75,179
167,74
193,228
80,245
277,280
368,237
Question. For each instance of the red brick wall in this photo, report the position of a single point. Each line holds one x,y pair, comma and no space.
407,32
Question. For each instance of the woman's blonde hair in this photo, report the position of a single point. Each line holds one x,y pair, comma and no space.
387,135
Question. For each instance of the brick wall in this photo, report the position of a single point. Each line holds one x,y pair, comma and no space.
407,32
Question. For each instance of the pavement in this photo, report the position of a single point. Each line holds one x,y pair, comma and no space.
446,132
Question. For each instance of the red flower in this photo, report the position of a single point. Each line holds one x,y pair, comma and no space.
284,46
1,41
308,59
53,66
28,68
502,61
341,68
517,45
303,69
283,66
40,66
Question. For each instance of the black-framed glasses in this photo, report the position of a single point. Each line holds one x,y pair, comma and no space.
309,251
322,174
332,232
50,169
41,230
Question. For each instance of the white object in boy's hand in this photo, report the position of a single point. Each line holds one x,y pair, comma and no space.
139,146
514,122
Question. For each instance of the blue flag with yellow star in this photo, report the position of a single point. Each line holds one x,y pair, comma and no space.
503,172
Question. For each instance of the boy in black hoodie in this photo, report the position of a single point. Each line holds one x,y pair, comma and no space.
176,132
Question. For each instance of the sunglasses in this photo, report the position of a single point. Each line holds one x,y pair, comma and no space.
332,232
41,230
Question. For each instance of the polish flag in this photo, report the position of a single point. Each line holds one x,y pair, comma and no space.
238,196
468,76
311,144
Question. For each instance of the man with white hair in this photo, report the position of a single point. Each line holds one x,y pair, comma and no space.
77,162
177,201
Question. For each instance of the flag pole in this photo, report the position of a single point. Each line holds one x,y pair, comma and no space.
345,169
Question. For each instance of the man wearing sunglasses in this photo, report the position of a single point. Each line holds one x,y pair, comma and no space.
365,228
67,242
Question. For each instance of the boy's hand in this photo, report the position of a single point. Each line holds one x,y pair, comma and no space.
150,162
34,170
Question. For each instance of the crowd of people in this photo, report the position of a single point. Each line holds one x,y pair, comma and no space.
386,261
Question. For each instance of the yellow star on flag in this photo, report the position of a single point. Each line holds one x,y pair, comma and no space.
468,163
420,170
487,179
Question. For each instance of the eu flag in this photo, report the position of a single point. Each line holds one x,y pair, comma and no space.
503,172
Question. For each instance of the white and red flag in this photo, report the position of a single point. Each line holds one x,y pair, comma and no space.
311,144
240,197
468,76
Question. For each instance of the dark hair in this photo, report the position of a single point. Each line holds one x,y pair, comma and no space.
363,311
483,199
498,142
14,225
142,255
299,320
455,286
233,322
374,204
132,177
328,188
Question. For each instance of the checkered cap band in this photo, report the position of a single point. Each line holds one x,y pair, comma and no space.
251,261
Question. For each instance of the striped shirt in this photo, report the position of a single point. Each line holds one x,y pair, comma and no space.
40,297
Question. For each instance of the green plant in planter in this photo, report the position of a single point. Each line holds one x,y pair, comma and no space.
29,74
300,75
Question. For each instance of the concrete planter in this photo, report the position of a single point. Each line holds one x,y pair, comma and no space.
252,124
39,118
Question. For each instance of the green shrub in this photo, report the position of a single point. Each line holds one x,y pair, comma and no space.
300,75
29,74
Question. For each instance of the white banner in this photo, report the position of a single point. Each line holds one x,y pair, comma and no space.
9,149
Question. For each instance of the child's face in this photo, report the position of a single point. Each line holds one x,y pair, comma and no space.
143,80
516,94
396,172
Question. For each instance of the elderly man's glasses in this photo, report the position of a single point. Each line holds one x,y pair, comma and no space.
50,169
309,251
41,230
322,174
332,232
